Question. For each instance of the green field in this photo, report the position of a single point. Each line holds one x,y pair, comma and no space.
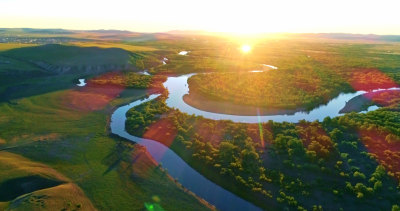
44,138
308,75
55,136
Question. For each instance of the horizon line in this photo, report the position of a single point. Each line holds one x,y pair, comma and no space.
199,31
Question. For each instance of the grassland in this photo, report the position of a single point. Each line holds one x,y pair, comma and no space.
9,46
286,165
31,185
309,74
277,89
77,144
57,135
131,48
340,163
70,55
33,70
58,140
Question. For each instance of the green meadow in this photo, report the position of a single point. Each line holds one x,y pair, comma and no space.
44,140
57,151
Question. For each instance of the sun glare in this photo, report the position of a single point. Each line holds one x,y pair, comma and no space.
246,48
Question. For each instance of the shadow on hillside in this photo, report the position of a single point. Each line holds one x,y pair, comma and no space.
41,69
128,153
13,188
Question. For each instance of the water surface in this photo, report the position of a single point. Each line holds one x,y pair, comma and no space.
270,66
178,87
81,82
178,168
187,176
183,53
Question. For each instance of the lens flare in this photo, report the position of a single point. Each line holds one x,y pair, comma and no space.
246,48
260,128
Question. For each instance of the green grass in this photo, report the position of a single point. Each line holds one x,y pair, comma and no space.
77,144
37,123
35,70
304,88
47,190
71,55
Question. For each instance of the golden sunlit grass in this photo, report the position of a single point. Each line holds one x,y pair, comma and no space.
246,48
43,181
113,45
9,46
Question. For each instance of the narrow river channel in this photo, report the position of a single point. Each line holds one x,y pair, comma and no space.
186,175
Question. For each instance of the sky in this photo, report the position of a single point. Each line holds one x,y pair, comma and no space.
233,16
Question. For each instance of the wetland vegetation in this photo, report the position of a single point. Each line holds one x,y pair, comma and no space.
55,135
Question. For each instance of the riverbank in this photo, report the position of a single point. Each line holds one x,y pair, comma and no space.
147,156
178,87
164,132
82,150
273,92
178,165
203,103
378,98
217,150
357,104
145,163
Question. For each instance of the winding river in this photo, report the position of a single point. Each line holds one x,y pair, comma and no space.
178,87
179,169
186,175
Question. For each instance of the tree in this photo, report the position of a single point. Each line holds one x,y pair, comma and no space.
226,152
250,160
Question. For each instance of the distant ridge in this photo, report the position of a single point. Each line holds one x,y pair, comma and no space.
116,32
187,32
347,36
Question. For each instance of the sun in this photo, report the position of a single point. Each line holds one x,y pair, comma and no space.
246,48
